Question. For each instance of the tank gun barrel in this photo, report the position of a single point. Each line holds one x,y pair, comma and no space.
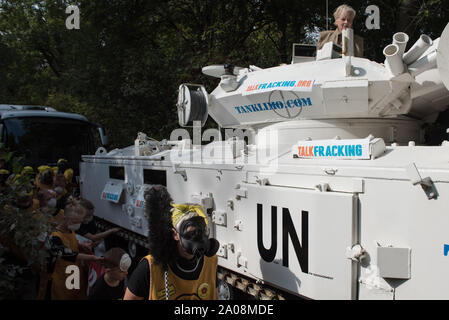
401,39
330,87
425,63
430,70
420,46
394,54
393,59
347,42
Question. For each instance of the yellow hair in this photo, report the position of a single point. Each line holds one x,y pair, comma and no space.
181,210
27,170
68,175
42,168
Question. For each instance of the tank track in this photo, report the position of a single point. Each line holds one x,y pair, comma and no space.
260,291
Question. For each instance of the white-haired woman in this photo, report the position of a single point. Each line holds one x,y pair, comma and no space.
344,17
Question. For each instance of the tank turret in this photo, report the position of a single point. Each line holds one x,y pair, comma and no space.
346,96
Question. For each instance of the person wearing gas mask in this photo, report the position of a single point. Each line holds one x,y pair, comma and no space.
63,168
45,179
110,285
182,264
66,251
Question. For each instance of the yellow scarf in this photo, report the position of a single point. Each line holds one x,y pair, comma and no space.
181,212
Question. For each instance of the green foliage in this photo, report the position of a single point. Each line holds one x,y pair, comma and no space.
123,67
10,279
10,161
23,233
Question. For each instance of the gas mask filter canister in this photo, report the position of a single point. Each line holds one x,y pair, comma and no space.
125,262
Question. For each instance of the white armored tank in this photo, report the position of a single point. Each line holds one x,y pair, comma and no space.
321,188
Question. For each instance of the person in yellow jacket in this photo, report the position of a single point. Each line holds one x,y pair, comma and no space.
65,278
68,175
63,168
27,172
182,264
26,202
44,179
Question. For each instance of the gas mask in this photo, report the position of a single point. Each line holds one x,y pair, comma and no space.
195,240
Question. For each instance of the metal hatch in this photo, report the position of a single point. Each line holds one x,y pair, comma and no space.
296,239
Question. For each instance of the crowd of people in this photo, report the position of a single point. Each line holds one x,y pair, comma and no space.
181,261
180,264
74,241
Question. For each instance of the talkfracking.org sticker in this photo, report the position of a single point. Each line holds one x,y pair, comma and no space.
283,85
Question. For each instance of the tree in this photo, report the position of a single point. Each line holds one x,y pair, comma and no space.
125,64
23,233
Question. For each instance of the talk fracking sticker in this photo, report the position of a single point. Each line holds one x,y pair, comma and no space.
333,149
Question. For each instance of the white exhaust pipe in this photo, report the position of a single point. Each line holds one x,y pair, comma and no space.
347,42
420,46
430,91
400,39
393,60
425,63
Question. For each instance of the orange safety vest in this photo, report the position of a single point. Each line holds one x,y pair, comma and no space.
41,186
59,290
203,288
59,216
34,206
